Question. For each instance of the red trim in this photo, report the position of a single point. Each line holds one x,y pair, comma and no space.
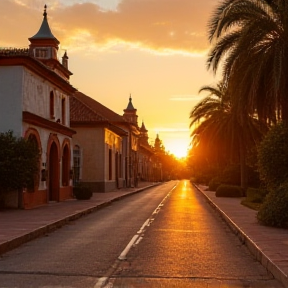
33,119
38,68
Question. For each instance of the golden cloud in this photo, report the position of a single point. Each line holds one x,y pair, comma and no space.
160,25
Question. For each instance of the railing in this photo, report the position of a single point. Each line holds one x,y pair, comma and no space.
14,51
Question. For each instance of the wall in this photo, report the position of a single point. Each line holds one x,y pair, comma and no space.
11,80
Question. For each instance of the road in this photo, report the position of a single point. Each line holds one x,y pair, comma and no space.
166,236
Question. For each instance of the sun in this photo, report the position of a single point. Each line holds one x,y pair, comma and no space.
178,148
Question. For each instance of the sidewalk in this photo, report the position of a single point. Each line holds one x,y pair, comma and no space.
268,245
20,226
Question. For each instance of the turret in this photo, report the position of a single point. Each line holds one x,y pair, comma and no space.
44,45
130,113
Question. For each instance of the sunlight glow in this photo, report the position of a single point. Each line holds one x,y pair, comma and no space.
176,147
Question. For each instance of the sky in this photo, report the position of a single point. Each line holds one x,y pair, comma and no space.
153,50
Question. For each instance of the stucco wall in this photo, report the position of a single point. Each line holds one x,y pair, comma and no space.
36,98
11,81
91,142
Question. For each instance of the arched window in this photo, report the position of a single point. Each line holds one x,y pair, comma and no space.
52,116
65,166
76,165
63,112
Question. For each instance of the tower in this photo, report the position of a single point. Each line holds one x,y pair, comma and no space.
144,135
130,113
44,47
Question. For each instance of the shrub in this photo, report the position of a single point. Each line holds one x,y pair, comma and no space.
274,211
256,195
273,156
214,184
82,192
19,163
231,175
229,191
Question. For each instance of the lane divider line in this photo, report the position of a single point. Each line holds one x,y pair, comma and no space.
128,247
136,239
101,282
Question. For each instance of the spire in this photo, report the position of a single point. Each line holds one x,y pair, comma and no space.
143,128
44,31
130,105
130,113
65,60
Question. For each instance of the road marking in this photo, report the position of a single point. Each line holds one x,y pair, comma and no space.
143,226
101,282
128,247
136,239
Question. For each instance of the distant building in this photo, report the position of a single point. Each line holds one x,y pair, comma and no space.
146,153
110,151
99,145
35,94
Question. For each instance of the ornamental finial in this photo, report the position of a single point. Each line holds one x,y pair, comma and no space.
45,13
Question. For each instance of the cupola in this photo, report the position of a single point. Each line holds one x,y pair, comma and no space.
130,113
44,45
144,134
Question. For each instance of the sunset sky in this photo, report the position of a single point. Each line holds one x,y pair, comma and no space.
155,50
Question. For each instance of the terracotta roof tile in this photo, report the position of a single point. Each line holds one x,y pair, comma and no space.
84,108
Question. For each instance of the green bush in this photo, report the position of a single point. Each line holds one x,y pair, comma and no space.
231,175
274,210
19,163
273,156
214,184
82,192
229,191
254,195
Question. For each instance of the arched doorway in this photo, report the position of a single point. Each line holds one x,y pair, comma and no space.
53,172
34,186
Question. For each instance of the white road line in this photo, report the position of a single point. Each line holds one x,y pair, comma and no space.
136,239
143,226
101,282
128,247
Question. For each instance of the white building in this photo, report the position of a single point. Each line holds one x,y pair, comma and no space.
34,103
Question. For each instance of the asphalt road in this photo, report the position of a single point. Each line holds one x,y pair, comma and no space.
166,236
188,245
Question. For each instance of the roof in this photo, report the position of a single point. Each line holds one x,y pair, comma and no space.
143,128
44,31
84,108
130,105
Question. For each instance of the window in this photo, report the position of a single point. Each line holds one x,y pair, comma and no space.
41,53
77,162
63,110
110,164
52,105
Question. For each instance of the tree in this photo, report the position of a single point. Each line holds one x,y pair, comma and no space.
273,156
221,134
19,163
250,38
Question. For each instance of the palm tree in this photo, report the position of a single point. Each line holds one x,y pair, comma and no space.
220,131
250,38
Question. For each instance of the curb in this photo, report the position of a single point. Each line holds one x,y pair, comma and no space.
251,245
16,242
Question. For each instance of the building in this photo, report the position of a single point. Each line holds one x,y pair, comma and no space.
99,145
110,151
35,94
146,156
